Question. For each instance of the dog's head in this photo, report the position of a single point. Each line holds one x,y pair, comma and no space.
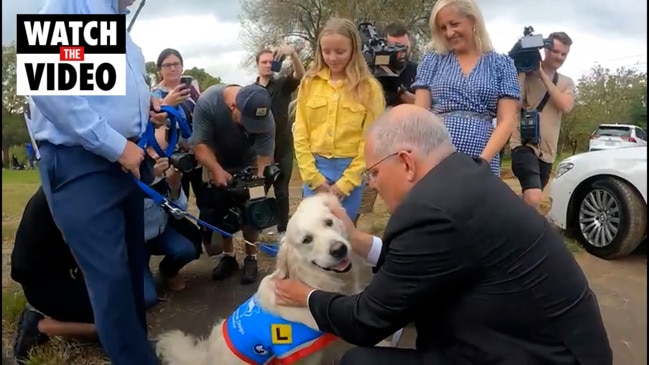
317,237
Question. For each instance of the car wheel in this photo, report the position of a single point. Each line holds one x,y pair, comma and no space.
611,218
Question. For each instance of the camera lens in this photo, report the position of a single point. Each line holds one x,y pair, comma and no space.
183,161
263,213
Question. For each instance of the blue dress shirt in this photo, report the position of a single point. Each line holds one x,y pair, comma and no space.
101,124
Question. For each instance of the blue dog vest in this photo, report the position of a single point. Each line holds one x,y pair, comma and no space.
258,337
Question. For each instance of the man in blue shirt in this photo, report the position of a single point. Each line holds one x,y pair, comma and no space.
86,145
30,154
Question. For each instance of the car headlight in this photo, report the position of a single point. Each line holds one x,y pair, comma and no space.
563,168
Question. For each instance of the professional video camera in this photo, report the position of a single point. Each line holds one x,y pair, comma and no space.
251,205
525,52
386,61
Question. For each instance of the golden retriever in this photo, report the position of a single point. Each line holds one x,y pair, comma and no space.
317,251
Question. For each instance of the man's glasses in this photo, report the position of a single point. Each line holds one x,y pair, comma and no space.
369,174
170,65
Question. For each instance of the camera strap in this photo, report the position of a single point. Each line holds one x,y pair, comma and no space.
546,97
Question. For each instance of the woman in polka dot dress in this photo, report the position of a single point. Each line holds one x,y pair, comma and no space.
468,84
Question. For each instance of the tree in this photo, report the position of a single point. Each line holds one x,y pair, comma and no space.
152,73
14,130
604,97
268,23
11,103
203,77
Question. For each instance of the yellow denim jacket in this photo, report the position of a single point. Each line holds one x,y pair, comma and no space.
331,123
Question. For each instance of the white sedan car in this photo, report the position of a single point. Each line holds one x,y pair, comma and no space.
601,197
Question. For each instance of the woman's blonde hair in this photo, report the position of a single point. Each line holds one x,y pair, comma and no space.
468,8
358,75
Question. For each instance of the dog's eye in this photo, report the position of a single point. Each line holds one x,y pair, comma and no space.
307,239
329,222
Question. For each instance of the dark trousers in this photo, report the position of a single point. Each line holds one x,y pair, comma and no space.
390,356
284,158
64,299
194,179
100,212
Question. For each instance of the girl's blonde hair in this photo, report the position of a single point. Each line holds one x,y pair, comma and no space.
358,75
468,8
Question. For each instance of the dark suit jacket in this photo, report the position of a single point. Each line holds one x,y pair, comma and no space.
482,275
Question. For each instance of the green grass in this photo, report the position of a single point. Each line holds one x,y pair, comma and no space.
17,188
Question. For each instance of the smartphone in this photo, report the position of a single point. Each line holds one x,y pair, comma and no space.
276,65
187,80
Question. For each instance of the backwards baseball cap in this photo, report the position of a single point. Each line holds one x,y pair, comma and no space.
254,104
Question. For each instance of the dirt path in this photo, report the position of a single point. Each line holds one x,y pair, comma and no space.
621,288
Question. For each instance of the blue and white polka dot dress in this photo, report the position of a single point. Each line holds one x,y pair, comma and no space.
468,103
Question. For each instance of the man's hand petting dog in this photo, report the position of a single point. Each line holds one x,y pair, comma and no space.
291,292
341,214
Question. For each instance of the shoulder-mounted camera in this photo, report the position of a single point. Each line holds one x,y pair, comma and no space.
252,206
526,52
386,61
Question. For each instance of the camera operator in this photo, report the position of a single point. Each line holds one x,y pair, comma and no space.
280,89
233,129
397,33
394,33
532,162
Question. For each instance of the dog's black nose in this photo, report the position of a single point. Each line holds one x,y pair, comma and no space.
338,250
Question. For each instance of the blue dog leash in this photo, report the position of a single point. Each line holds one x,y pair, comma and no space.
178,125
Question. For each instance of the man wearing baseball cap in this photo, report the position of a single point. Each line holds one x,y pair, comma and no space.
233,128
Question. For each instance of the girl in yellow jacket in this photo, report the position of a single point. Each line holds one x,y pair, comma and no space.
337,101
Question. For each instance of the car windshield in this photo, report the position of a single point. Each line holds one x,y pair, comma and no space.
612,131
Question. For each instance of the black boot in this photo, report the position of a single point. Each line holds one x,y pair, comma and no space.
27,334
225,268
250,270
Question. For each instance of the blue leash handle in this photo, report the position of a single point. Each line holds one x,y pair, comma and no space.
178,125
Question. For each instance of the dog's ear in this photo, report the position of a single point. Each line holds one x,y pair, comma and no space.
281,262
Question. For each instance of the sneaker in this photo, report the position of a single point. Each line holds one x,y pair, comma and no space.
27,335
225,268
250,270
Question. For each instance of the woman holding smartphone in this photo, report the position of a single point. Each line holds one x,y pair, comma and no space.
177,89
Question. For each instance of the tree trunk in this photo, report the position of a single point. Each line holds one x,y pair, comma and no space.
5,156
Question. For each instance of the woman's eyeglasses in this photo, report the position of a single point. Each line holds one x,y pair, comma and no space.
170,65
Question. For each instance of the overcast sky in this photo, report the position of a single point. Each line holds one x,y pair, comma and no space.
206,32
